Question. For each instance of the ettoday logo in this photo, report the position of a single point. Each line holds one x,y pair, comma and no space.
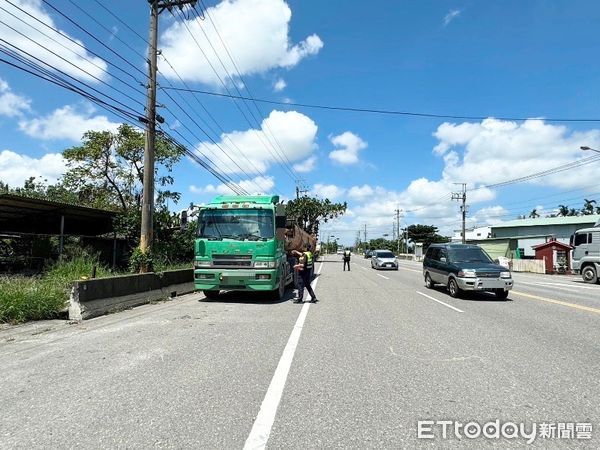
447,429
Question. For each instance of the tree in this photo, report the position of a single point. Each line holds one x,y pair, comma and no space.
572,212
534,214
107,170
563,210
308,212
427,234
588,207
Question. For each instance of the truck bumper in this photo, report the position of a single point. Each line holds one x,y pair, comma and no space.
484,284
235,279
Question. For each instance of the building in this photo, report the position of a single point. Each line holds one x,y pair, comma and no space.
472,234
522,235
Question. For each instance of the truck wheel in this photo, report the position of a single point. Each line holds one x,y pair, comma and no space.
428,281
453,288
589,274
212,294
501,294
279,293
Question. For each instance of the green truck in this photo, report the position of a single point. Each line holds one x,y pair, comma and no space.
244,244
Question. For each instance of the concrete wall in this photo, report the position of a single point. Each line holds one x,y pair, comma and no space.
92,298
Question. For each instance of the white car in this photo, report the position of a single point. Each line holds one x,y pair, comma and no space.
383,259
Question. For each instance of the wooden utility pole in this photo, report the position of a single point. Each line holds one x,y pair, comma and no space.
146,235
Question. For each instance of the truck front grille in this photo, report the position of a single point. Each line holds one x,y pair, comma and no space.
488,274
232,260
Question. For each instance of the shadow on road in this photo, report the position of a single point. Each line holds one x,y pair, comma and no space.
474,296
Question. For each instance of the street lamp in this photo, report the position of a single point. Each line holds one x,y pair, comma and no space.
585,147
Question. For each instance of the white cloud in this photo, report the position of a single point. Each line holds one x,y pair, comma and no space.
306,166
11,104
67,122
32,41
295,135
279,85
330,191
495,150
349,145
256,185
256,33
360,192
453,14
16,168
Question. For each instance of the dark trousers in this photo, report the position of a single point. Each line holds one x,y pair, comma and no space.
347,261
304,282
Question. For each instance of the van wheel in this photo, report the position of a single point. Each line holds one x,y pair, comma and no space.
453,288
428,281
589,274
501,294
212,294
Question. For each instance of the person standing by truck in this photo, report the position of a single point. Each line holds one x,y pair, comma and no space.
304,268
346,258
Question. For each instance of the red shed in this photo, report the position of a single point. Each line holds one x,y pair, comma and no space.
557,255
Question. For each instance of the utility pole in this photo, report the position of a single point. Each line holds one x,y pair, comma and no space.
300,190
463,208
365,234
146,234
397,211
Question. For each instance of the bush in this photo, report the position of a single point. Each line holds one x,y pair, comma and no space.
45,297
31,298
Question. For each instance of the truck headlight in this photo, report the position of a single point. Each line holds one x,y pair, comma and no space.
504,274
200,264
264,264
467,273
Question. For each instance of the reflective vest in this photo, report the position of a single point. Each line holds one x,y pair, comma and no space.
308,260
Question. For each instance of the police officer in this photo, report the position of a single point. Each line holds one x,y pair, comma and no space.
347,259
304,268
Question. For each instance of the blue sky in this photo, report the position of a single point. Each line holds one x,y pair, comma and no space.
465,58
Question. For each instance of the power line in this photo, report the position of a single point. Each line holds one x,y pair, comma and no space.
387,111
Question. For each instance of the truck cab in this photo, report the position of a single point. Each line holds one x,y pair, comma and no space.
586,253
240,246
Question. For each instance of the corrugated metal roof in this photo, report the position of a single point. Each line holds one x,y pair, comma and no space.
544,221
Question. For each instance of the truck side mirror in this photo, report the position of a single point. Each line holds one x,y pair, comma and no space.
280,222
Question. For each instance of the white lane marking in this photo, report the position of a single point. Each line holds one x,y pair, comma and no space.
259,435
364,268
439,301
379,275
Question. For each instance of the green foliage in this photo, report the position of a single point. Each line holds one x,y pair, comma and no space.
426,234
23,298
107,170
37,298
308,212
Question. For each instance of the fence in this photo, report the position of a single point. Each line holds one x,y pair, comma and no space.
528,265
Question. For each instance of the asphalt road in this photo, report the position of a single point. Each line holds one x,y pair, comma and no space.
359,369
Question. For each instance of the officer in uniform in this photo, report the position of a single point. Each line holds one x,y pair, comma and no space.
347,259
304,268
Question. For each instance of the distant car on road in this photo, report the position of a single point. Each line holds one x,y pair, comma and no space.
384,259
465,267
340,252
368,253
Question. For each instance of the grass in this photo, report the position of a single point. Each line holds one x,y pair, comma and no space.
46,296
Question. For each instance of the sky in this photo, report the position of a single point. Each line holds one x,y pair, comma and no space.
494,63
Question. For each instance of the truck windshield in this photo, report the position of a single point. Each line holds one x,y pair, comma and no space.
469,255
240,224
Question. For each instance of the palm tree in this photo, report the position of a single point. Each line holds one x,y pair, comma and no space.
563,210
572,212
588,207
533,214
